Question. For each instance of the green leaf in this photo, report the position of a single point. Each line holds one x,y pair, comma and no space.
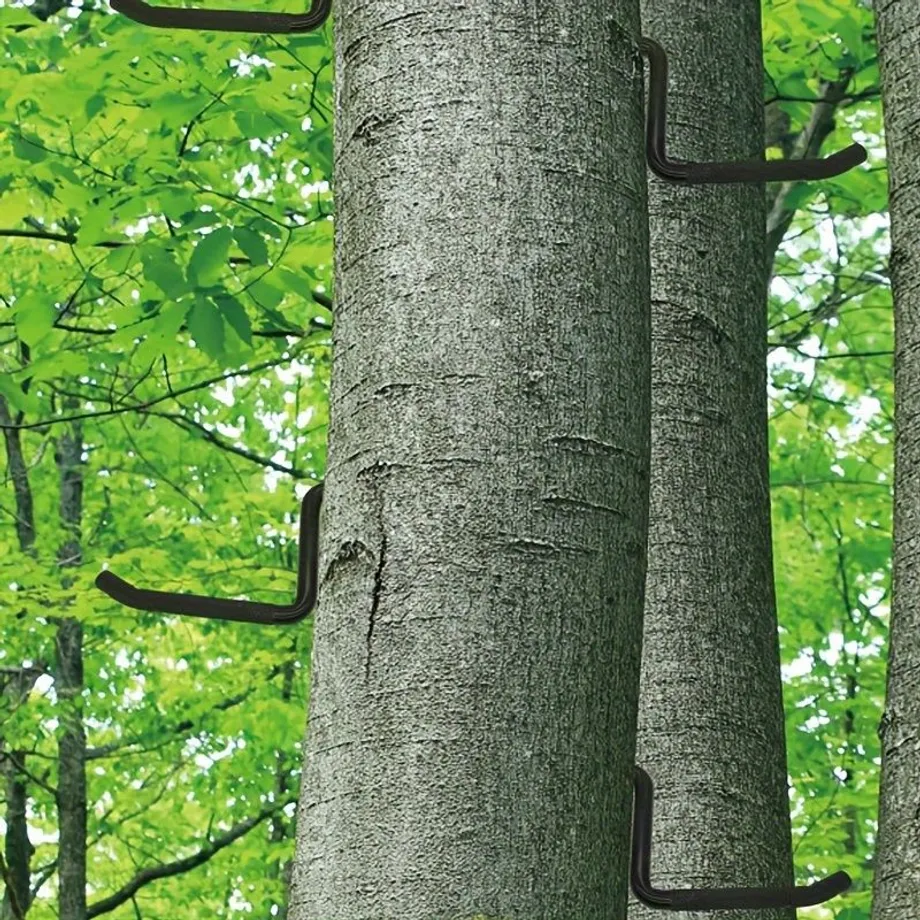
207,327
94,105
176,202
276,320
94,226
35,316
162,269
11,16
178,108
210,257
16,205
120,260
28,147
170,319
265,294
255,124
252,244
234,314
266,227
22,402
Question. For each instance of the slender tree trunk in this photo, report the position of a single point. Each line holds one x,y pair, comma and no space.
18,472
71,792
711,723
896,891
475,664
18,848
280,824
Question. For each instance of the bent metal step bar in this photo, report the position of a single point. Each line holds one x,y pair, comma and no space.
163,17
710,898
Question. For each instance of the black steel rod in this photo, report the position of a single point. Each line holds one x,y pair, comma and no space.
197,605
711,898
743,171
223,20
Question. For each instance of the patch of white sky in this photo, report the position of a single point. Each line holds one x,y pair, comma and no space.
862,411
864,408
244,66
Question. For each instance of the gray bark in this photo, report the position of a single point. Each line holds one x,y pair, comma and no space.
475,666
896,890
711,722
71,790
18,472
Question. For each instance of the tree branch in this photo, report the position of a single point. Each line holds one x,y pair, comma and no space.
185,725
779,213
19,766
179,866
322,299
212,438
240,372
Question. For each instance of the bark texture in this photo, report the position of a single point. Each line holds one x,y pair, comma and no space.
17,682
711,723
71,790
896,889
475,663
280,826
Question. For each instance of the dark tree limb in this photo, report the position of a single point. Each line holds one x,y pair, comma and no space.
104,413
180,728
180,866
779,213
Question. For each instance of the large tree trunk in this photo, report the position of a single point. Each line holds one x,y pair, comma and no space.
71,791
896,890
711,724
475,666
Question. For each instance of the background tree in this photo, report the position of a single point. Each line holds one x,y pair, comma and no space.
710,705
897,880
827,344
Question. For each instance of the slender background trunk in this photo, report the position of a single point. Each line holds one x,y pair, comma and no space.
17,682
711,724
71,791
280,826
475,664
896,889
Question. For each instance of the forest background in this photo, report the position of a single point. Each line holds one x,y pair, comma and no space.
165,295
